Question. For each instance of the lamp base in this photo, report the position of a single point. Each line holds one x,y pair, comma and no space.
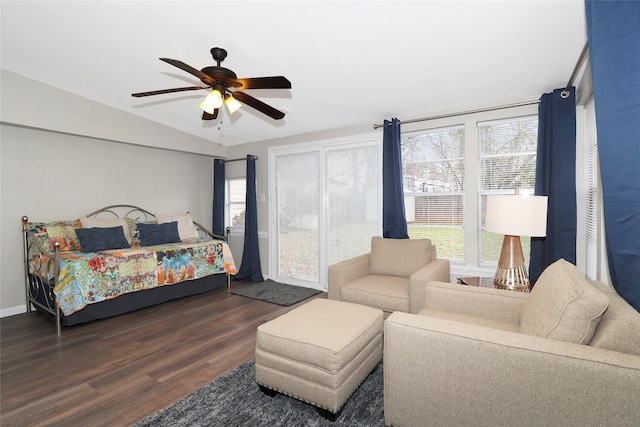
514,279
511,273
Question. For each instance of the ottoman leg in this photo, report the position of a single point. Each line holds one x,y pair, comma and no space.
266,390
329,415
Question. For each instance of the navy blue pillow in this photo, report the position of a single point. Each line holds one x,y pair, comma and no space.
97,239
158,234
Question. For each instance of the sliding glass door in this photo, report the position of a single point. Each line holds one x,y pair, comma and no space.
354,201
298,216
326,203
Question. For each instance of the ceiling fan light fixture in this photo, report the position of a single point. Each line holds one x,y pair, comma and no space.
232,104
212,101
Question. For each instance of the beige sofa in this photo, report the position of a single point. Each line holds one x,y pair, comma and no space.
567,354
391,277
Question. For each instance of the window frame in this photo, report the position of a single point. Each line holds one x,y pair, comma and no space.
453,193
471,266
229,203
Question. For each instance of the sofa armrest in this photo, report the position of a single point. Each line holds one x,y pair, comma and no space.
345,272
497,304
452,373
437,270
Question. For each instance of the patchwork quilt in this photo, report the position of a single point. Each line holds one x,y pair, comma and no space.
90,277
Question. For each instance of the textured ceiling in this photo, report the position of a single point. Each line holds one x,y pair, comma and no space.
350,63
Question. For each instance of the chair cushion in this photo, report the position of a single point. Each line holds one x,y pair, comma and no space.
387,293
563,305
619,328
398,257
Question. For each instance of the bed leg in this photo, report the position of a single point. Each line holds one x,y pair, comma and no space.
58,321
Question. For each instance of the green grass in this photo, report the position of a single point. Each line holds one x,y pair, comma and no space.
449,241
299,248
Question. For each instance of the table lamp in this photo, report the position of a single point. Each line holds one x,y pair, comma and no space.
515,215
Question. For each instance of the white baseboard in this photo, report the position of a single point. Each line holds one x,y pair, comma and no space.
12,311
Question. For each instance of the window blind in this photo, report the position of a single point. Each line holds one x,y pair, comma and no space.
433,180
591,191
507,160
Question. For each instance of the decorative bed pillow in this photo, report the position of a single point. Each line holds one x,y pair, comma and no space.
186,228
158,234
563,305
39,229
97,239
135,234
62,232
93,222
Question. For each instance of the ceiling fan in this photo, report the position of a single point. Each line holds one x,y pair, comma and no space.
226,87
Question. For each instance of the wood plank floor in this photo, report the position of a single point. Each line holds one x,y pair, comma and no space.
115,372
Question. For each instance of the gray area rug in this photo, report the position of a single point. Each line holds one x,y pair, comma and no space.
235,400
274,292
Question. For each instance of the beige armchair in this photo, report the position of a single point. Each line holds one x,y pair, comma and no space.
566,354
391,277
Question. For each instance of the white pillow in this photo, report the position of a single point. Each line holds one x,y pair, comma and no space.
91,222
186,228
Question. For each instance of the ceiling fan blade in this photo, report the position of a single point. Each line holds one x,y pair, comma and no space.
159,92
189,69
275,82
207,116
258,105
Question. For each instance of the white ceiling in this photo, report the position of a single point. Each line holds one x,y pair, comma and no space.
350,63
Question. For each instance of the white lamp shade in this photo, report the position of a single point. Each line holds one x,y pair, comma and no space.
232,104
212,101
517,215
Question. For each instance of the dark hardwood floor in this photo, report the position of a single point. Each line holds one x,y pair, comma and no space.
115,372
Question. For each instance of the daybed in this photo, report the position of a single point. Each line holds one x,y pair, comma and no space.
118,259
566,354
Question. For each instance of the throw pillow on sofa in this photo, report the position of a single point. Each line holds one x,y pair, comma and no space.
619,328
563,305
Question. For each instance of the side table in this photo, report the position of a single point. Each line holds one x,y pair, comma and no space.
484,282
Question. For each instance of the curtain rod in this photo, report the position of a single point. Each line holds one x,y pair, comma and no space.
576,69
481,110
564,94
237,160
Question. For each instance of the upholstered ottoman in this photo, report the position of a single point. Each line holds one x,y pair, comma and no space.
319,352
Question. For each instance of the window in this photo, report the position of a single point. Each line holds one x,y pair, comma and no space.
433,173
236,199
507,161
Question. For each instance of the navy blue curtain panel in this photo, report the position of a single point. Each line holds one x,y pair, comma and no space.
218,197
556,178
394,222
613,28
250,269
